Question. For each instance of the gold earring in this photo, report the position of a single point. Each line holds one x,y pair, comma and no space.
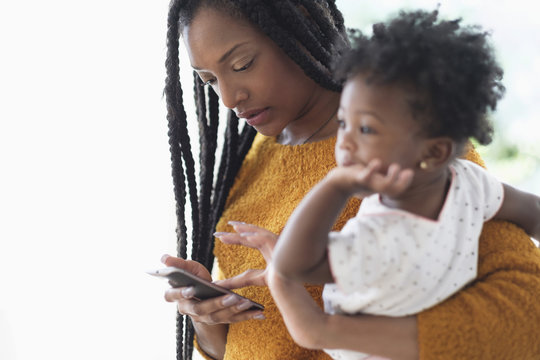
423,165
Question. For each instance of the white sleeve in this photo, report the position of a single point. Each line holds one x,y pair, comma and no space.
489,189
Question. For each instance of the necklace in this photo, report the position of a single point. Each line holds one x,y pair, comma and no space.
319,129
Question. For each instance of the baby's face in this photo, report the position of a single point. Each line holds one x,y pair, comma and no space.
375,122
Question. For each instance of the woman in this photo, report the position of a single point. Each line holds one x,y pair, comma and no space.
269,62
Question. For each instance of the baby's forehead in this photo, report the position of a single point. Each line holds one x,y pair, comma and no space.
389,99
369,86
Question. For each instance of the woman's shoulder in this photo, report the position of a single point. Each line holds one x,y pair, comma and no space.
471,154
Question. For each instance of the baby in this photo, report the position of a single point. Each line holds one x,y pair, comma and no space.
415,92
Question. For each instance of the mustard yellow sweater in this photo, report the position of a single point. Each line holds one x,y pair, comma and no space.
497,317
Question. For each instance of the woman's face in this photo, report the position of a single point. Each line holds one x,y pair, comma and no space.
249,72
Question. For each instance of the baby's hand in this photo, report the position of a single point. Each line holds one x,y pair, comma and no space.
363,181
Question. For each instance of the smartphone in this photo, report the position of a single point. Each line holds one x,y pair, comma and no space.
203,289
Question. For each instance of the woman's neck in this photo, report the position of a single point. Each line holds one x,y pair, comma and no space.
316,122
425,197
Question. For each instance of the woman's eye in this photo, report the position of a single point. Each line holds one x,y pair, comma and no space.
208,82
245,67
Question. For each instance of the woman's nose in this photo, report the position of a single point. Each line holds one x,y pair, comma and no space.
231,95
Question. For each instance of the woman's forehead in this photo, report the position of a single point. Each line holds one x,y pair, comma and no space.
213,33
215,20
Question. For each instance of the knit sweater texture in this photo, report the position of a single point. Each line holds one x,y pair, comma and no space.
496,317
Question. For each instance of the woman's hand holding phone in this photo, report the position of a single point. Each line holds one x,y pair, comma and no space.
224,309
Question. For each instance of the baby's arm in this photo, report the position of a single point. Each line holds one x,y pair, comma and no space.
304,319
521,208
300,253
310,327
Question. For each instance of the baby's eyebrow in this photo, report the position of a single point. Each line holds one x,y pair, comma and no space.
371,113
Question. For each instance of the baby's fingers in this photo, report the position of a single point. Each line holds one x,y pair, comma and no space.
404,179
370,170
395,181
367,177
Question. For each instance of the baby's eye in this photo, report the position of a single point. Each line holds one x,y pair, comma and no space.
341,123
366,130
244,68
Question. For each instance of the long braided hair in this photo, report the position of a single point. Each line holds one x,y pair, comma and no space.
310,32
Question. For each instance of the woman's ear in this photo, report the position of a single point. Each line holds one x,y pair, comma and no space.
437,153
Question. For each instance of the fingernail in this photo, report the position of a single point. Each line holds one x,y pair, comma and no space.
230,300
219,233
247,234
164,258
259,316
244,305
188,292
236,223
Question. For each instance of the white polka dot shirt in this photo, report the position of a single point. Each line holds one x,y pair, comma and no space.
391,262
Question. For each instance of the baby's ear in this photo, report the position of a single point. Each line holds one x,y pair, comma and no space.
437,152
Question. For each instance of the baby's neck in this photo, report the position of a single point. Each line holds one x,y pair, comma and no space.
425,197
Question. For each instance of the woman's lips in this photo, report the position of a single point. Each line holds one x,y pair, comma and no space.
254,117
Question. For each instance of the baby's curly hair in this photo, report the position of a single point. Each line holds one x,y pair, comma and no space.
452,68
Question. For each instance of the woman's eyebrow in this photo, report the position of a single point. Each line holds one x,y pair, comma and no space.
224,56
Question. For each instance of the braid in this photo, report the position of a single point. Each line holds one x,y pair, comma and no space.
175,114
227,159
311,33
207,145
337,16
187,156
200,110
327,30
175,109
178,135
208,137
303,30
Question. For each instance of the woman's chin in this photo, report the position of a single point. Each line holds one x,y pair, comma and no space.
266,130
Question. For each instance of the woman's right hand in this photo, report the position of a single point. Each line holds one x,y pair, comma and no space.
254,237
225,309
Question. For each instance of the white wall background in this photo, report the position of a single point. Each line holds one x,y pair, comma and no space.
86,202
